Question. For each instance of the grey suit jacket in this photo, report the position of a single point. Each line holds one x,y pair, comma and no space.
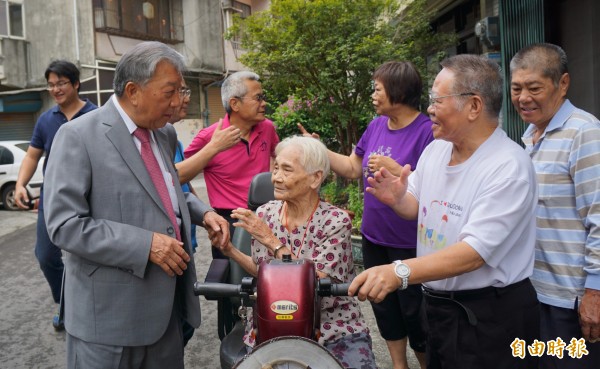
102,208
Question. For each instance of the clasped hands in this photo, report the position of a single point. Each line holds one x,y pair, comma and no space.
249,221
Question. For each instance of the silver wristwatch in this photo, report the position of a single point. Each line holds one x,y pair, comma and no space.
402,272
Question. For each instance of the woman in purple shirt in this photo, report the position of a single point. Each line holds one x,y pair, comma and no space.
396,137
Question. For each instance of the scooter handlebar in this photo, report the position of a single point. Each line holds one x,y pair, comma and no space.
213,289
327,288
340,289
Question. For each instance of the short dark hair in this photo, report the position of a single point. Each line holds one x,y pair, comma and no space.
549,59
401,81
64,68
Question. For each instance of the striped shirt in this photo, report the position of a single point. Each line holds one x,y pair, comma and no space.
567,163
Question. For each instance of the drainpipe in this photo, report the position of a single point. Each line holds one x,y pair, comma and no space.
206,112
75,17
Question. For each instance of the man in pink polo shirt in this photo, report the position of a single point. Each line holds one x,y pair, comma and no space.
233,150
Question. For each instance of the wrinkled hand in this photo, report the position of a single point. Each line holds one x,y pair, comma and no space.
21,197
305,132
388,188
254,225
215,238
222,139
217,224
589,315
168,253
374,284
376,162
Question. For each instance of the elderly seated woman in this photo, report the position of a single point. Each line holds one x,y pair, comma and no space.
299,224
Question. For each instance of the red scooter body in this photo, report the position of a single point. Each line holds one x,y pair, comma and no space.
288,303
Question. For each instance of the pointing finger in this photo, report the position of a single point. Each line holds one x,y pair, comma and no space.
302,129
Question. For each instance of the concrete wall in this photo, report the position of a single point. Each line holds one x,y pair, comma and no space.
15,53
58,29
203,34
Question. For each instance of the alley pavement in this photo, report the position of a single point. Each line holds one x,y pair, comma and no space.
27,338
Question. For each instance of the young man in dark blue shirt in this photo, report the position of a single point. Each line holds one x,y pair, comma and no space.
63,85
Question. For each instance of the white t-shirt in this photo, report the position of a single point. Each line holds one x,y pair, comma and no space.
488,202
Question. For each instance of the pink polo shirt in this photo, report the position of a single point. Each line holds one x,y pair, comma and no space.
229,173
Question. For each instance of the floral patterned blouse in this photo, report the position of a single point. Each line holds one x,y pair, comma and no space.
327,243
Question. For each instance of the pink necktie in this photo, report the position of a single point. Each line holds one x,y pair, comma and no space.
155,173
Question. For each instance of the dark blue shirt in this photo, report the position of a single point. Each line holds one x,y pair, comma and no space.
48,124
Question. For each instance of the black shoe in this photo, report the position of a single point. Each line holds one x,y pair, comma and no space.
58,323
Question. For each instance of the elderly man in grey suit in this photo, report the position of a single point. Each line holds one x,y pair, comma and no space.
114,203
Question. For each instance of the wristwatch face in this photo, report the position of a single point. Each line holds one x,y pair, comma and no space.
402,270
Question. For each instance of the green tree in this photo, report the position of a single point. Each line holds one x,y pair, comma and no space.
321,55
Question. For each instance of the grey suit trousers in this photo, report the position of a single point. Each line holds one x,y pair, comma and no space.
167,352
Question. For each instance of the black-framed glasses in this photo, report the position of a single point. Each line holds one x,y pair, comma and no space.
434,99
184,92
59,85
259,97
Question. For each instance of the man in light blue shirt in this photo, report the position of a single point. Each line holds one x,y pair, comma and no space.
564,144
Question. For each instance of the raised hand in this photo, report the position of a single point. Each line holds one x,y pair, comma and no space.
222,139
254,225
388,188
305,132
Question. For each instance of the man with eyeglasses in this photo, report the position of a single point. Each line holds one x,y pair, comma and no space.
233,150
180,113
474,193
63,84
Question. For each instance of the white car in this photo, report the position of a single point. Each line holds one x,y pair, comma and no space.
12,154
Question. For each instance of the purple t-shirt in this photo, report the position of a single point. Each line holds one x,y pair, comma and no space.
380,224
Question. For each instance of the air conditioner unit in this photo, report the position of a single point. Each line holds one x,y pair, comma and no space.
229,5
488,31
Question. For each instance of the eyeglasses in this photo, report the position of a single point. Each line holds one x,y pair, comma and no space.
59,85
434,99
259,97
184,92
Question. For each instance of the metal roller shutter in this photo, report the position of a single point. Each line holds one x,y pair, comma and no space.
215,105
521,24
16,126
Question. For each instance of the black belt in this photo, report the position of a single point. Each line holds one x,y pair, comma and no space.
221,210
455,296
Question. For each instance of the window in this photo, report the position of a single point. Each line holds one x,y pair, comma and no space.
240,9
99,88
243,9
150,19
6,157
11,18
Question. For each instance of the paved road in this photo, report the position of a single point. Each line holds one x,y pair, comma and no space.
27,339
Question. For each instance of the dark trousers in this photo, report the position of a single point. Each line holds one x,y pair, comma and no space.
564,323
49,258
400,314
475,330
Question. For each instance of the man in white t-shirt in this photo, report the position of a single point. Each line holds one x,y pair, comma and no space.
474,193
